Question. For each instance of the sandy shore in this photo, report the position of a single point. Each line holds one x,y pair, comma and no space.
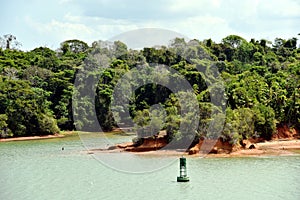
269,148
32,138
281,147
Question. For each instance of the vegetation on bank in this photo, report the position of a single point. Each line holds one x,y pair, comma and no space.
262,87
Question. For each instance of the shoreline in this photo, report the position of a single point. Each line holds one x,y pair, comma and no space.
275,147
287,147
30,138
42,137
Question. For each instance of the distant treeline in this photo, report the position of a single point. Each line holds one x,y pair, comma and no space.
262,87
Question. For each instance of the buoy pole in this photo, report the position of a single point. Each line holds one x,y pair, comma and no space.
182,171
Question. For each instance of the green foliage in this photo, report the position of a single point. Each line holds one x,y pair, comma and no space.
74,46
26,108
3,125
261,82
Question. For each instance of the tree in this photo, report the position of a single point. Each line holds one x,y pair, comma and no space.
3,125
291,43
26,108
265,122
261,82
74,46
9,41
121,51
245,51
233,40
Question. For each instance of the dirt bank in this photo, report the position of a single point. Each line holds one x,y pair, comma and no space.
285,142
145,144
269,148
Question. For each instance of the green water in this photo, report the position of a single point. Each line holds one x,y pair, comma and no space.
41,170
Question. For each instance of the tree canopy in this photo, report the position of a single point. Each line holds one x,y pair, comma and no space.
262,87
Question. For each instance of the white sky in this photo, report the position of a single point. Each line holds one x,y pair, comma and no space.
48,23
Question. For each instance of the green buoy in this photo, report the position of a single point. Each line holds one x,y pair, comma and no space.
182,171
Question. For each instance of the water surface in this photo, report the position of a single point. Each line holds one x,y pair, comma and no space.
41,170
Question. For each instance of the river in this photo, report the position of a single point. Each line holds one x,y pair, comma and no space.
40,169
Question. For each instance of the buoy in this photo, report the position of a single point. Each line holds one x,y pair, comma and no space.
182,171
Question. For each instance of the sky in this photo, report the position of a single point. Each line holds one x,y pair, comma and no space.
38,23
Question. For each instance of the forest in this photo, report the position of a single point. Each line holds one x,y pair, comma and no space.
261,87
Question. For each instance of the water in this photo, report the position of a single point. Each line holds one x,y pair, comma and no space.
41,170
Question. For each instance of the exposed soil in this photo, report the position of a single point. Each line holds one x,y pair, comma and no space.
285,142
285,132
148,144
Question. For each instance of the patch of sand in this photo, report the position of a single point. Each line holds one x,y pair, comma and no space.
269,148
31,138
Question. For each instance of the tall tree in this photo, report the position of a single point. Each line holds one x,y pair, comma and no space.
9,41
